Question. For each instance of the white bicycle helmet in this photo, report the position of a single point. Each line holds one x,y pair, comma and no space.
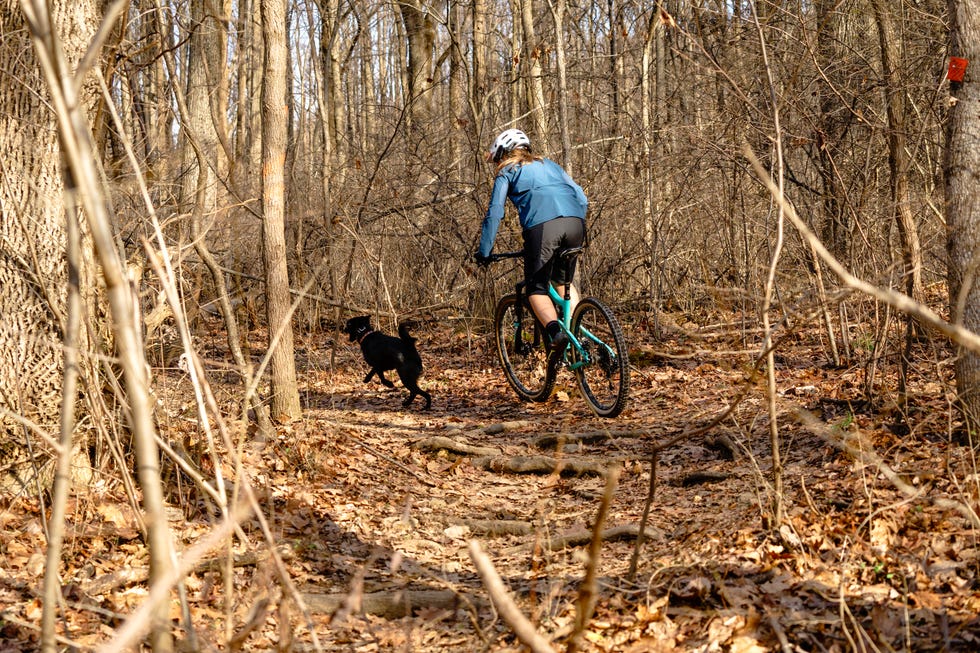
507,141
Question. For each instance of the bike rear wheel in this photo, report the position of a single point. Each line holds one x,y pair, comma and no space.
602,368
522,350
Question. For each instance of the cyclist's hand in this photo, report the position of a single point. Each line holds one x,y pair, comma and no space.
481,260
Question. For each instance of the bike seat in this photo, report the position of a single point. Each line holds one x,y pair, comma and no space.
570,252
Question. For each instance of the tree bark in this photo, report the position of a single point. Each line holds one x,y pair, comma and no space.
78,159
533,78
285,404
420,32
962,173
833,123
332,86
479,67
558,8
898,159
200,145
32,273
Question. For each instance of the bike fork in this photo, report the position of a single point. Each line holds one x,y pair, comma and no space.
521,345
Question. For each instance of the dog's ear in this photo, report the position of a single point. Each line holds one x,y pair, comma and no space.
357,326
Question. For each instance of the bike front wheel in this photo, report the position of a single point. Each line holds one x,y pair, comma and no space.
602,364
522,350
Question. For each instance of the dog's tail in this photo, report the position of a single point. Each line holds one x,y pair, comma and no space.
408,340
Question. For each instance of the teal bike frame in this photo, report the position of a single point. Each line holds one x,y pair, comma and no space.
581,358
596,352
563,304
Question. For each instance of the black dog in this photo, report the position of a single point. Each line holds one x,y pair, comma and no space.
383,352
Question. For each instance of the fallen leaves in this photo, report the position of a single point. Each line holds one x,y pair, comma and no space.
366,495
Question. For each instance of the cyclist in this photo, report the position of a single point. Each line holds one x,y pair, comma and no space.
551,209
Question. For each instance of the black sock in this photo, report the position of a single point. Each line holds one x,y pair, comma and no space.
553,329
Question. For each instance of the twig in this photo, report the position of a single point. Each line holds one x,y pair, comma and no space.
587,593
139,621
780,633
522,627
899,301
651,490
391,460
844,442
496,527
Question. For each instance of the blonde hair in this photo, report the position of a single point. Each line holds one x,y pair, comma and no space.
518,156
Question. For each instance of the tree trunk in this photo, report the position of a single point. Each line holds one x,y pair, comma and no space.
282,365
479,68
83,185
834,121
32,274
651,97
33,271
248,129
458,113
518,92
962,172
898,158
200,146
420,32
533,79
558,11
333,85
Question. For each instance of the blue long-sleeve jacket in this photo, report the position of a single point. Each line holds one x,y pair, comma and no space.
540,191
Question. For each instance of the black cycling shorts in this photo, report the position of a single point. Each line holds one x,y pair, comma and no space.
541,243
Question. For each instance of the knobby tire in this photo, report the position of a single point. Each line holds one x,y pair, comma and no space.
525,362
605,379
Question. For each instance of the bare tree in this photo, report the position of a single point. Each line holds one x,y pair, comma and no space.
420,32
962,167
558,10
282,365
82,185
32,274
898,159
532,53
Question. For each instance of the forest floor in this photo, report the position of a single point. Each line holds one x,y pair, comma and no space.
877,550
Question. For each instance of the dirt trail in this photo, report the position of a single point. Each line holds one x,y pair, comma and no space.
373,508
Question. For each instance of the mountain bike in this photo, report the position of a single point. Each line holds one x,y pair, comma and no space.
596,352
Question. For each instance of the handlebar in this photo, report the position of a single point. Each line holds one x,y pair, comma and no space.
493,258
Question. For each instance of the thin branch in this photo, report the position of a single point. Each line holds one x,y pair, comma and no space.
899,301
522,627
588,593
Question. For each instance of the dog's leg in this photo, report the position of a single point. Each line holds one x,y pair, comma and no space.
381,377
410,381
423,393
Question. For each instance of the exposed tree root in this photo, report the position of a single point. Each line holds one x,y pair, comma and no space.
541,465
132,575
443,443
583,536
552,440
393,604
497,527
699,478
